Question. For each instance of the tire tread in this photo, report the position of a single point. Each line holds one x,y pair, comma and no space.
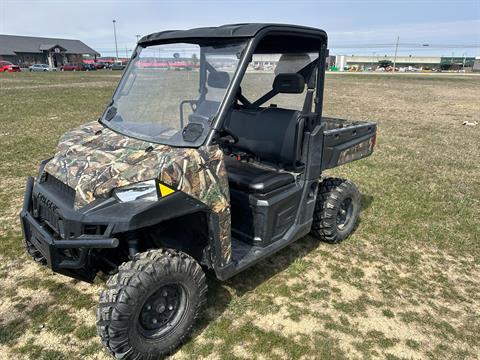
121,290
324,216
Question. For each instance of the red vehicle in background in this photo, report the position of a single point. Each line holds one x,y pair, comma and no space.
99,65
71,67
7,66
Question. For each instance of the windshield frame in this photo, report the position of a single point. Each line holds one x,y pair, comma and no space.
227,98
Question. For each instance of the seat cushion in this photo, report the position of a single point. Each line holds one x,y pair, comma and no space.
253,179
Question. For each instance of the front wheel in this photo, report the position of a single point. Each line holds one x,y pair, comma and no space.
336,211
151,304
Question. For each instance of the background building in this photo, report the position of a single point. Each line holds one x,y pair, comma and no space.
419,62
27,50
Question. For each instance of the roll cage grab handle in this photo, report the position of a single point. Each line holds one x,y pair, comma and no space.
233,91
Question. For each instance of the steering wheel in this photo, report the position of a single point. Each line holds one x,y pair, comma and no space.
201,118
223,133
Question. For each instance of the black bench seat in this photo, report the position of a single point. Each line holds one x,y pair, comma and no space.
250,178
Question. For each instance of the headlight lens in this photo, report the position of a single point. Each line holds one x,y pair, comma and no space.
144,191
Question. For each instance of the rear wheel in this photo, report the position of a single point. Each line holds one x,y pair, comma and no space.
151,304
336,211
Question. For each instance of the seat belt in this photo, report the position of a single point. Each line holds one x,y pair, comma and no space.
307,105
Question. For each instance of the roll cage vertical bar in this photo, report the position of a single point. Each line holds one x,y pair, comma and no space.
247,55
203,76
320,83
232,90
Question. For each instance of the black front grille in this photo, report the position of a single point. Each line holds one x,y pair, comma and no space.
46,210
58,186
49,216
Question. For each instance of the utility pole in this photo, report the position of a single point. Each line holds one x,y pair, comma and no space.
373,59
395,56
126,52
115,35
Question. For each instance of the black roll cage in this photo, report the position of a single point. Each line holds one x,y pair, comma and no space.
233,91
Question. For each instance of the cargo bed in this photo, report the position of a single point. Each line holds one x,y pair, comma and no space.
346,140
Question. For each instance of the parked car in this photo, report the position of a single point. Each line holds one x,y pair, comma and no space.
41,67
118,65
7,66
71,67
100,65
88,67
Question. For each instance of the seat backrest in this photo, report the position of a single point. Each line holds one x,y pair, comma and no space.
269,133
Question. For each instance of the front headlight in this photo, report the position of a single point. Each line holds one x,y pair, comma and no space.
144,191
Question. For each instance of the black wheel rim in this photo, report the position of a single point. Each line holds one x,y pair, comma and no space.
344,214
162,311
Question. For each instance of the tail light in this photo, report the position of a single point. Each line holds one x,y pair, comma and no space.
374,141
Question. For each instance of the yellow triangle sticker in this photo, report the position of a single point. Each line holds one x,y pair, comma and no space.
165,190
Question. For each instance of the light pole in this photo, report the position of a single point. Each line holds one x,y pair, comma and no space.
395,57
115,35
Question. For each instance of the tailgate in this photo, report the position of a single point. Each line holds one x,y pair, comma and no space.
345,141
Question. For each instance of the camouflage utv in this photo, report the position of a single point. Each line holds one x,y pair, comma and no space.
193,167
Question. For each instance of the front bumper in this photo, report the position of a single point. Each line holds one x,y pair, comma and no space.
71,240
68,256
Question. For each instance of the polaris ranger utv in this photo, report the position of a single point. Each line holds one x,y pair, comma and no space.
192,166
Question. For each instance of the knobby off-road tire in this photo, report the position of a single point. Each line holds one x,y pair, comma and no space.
151,304
336,211
34,253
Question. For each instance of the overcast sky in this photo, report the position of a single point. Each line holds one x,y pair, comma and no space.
354,27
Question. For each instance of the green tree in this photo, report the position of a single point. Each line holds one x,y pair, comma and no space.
384,63
194,59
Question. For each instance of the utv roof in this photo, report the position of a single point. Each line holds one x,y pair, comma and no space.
232,31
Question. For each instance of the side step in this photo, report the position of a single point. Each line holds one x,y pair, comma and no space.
245,255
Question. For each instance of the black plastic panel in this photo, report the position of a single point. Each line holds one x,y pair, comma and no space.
260,220
343,137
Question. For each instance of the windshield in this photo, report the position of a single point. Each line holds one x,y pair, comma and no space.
170,93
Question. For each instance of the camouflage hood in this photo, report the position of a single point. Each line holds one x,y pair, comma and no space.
94,160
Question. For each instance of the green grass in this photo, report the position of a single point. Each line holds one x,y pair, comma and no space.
404,285
85,332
